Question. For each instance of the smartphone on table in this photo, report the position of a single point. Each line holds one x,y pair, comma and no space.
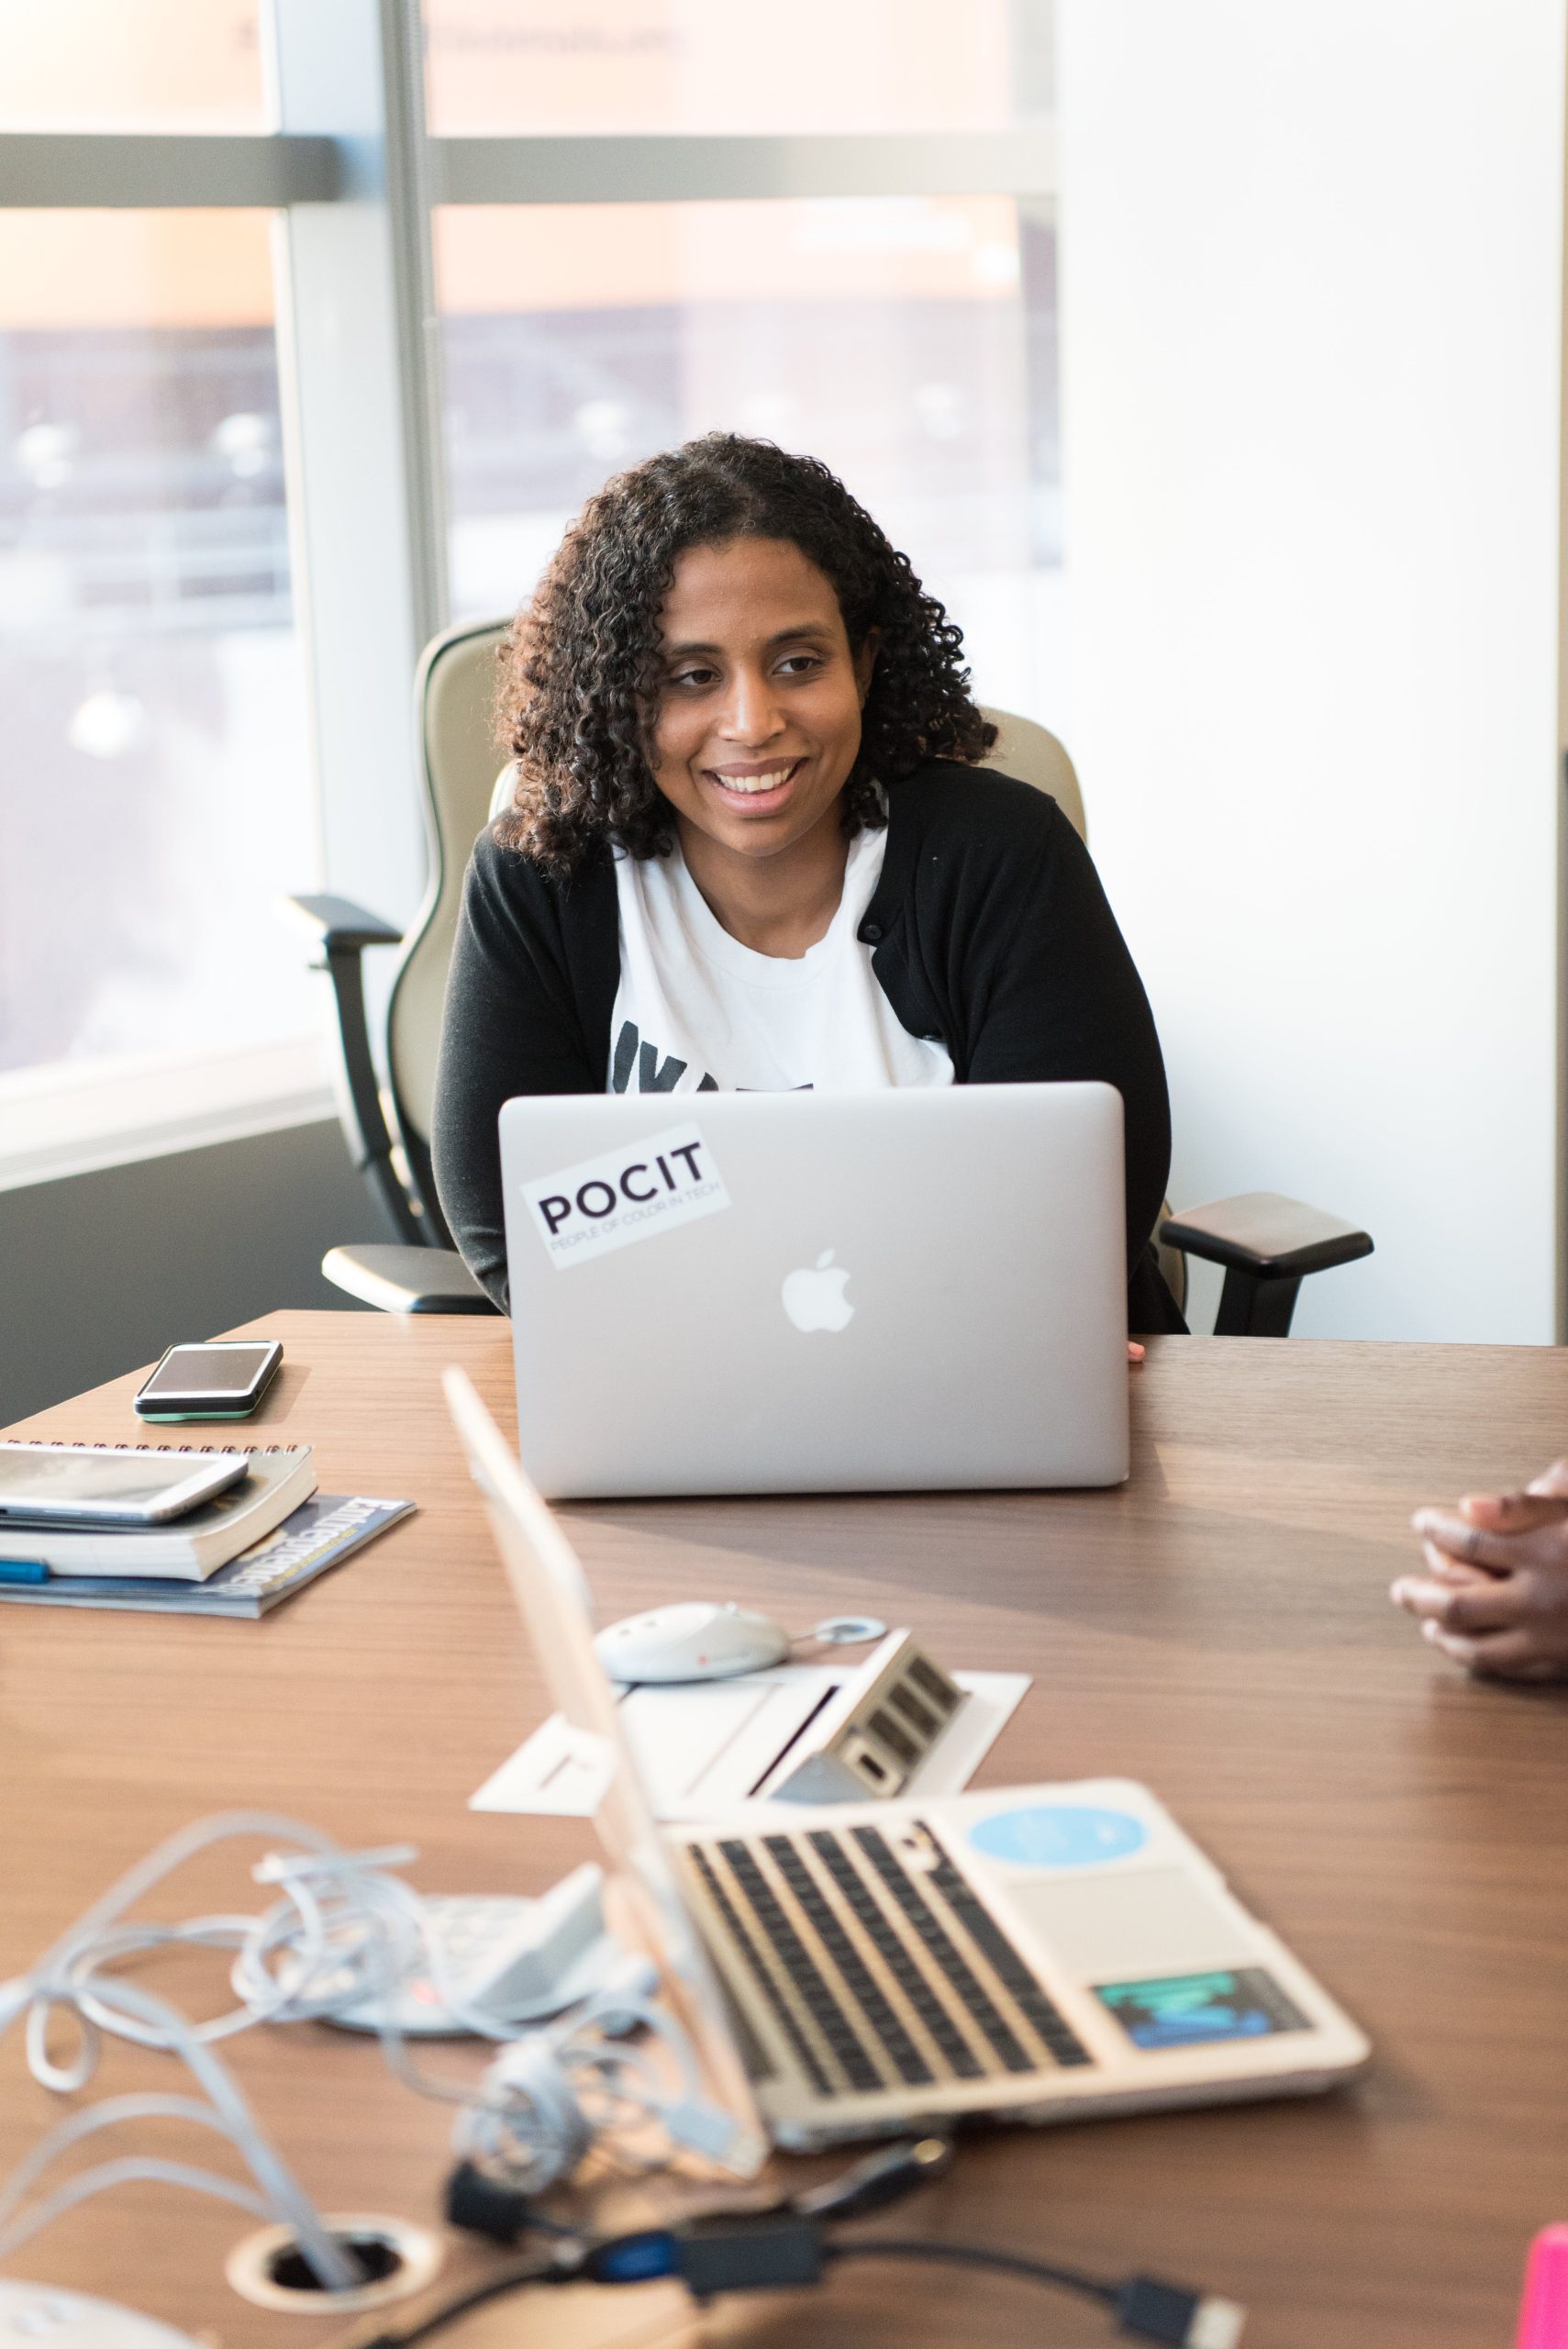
225,1380
82,1484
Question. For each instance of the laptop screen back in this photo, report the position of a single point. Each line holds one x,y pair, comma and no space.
552,1596
913,1289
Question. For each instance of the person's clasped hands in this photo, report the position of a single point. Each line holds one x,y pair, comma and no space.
1494,1592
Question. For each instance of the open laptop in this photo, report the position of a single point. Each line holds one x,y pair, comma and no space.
748,1292
1038,1953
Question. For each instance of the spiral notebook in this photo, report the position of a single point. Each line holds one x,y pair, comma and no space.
191,1547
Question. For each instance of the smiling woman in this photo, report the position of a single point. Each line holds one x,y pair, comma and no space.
659,588
750,847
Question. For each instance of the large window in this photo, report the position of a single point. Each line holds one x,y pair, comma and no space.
908,338
187,65
556,68
317,325
909,342
157,793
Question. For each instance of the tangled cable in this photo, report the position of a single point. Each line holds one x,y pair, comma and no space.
547,2097
71,1979
342,1930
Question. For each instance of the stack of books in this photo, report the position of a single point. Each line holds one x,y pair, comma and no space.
240,1553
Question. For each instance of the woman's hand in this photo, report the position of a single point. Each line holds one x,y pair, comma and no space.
1494,1593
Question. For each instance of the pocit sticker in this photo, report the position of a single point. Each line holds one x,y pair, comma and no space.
633,1193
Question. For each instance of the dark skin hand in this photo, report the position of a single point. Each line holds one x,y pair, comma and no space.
1495,1593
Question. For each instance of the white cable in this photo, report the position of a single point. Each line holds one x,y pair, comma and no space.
112,2112
123,1894
339,1917
81,1959
548,2097
107,2114
120,2000
841,1631
527,2126
134,2171
68,1979
175,1851
362,1924
342,1931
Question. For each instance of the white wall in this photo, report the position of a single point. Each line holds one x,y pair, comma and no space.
1311,272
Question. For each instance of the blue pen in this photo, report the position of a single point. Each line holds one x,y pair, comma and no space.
23,1570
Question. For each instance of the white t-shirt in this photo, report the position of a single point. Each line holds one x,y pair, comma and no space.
696,1011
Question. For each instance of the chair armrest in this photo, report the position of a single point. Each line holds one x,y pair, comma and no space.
337,925
1265,1233
1267,1244
407,1280
342,931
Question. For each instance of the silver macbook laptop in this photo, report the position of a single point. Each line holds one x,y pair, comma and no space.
1046,1953
804,1292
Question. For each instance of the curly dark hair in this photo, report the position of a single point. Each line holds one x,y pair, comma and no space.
582,665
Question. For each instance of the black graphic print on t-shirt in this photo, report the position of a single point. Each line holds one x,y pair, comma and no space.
653,1075
657,1074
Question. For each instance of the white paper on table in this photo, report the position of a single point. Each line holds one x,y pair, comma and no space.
703,1745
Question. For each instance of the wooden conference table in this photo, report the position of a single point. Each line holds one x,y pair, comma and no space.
1218,1628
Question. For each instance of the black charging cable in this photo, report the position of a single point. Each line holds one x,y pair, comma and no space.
1145,2307
792,2244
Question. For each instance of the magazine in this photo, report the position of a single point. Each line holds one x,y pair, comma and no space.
320,1533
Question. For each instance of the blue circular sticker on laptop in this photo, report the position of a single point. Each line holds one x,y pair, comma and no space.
1059,1835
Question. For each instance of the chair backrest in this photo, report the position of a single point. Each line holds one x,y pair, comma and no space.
453,695
1034,755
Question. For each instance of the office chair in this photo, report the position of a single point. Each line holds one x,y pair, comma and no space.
1266,1243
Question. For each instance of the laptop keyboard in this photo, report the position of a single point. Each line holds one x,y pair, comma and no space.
882,1969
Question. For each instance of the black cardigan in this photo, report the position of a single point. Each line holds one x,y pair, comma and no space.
989,931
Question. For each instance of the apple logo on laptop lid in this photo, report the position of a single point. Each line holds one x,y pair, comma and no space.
814,1294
